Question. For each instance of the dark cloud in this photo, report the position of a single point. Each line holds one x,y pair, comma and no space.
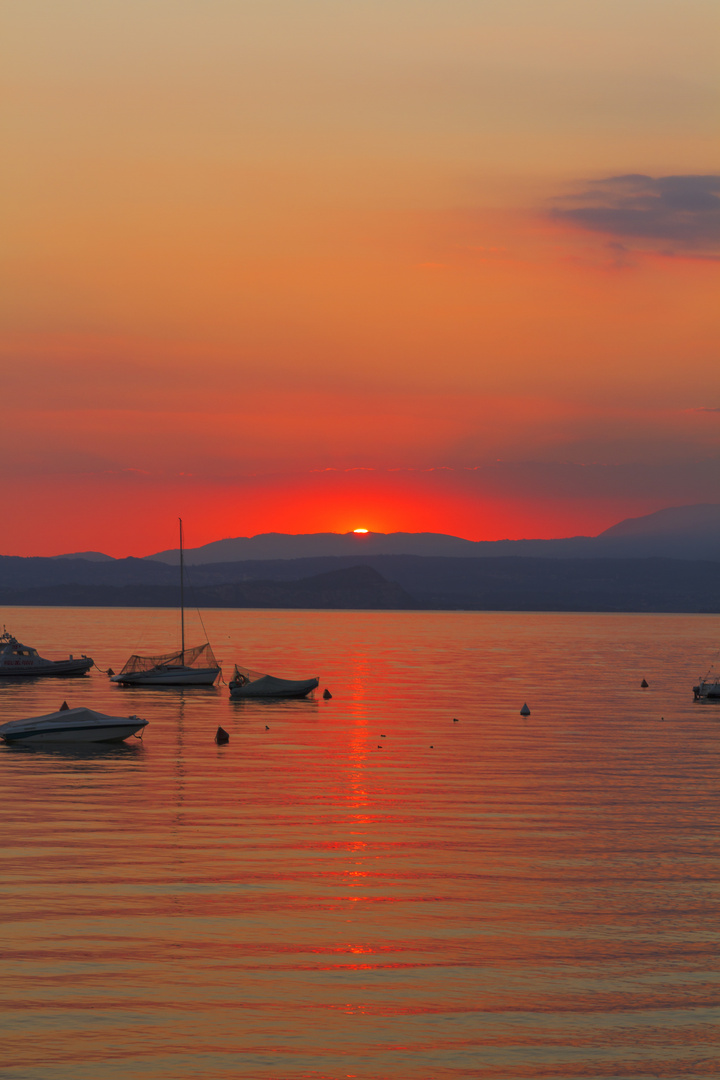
681,210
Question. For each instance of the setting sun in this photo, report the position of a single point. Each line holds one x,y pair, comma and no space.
359,530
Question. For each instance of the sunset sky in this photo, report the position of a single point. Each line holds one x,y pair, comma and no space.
313,265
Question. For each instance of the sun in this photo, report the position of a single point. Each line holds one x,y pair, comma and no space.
359,530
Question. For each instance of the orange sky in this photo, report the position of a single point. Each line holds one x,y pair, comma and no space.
403,264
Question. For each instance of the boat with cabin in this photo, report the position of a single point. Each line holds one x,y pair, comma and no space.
19,661
708,688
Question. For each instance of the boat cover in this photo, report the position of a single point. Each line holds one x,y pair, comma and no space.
199,657
247,683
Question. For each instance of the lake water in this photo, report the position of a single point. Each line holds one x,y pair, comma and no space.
360,887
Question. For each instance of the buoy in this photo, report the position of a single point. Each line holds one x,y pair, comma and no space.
221,736
455,720
525,711
64,707
327,695
431,746
110,673
644,684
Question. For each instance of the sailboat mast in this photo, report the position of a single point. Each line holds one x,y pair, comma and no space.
182,595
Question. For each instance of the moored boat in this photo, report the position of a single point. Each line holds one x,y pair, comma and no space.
19,661
184,667
253,684
707,689
70,726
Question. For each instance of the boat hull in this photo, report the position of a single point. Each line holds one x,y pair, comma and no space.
707,691
21,669
169,677
72,736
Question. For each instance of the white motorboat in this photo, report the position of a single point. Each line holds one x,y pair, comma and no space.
185,667
71,726
253,684
19,661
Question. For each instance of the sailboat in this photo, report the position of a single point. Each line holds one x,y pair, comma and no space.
188,667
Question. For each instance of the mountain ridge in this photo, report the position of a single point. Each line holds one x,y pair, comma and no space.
674,532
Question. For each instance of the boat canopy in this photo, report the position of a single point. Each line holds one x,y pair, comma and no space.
248,683
199,657
244,675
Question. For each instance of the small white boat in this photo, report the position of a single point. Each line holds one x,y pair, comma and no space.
18,661
252,684
186,667
70,726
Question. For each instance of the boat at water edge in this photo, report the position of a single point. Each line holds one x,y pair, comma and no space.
184,667
253,684
708,689
70,727
20,661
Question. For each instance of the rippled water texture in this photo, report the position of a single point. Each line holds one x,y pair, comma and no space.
361,887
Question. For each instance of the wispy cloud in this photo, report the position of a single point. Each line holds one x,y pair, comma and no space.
680,210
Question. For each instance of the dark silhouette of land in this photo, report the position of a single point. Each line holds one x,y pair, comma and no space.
684,532
543,576
382,582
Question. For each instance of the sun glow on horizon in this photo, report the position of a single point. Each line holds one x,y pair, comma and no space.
359,530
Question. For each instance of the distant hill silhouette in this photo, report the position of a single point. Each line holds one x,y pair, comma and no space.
401,582
314,545
354,587
683,532
89,556
667,561
310,545
701,520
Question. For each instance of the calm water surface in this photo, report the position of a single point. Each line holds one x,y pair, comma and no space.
498,897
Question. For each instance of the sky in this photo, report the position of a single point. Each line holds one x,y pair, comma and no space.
314,265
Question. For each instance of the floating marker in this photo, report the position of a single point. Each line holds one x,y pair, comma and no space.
525,711
64,707
221,736
327,695
644,684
